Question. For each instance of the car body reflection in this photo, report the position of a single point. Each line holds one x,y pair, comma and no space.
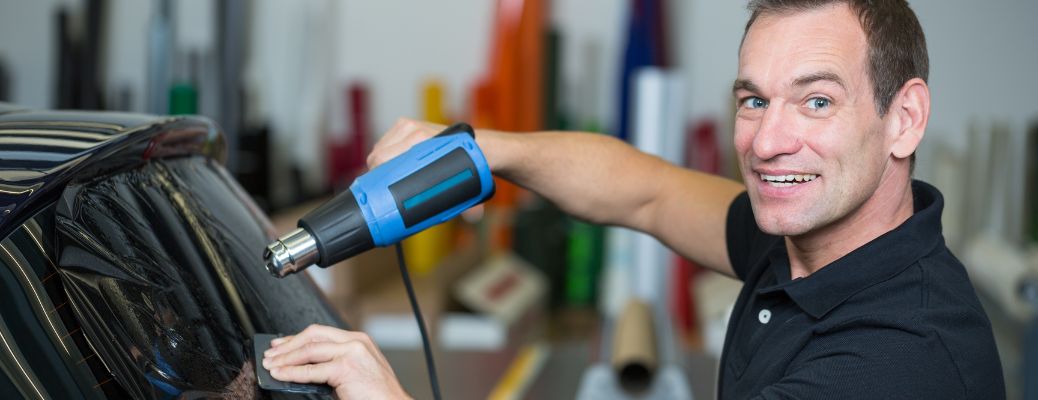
131,267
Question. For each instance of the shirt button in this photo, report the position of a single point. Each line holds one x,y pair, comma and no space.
764,316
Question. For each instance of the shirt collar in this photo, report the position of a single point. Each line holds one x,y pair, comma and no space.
875,262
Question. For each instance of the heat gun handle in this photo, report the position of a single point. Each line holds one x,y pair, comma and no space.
460,127
431,183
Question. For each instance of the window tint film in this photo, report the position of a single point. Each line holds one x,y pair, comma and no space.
43,353
163,267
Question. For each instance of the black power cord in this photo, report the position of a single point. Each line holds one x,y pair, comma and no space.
429,364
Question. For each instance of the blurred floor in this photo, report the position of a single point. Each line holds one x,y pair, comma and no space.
475,374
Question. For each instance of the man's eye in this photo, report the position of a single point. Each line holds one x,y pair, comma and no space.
818,103
754,102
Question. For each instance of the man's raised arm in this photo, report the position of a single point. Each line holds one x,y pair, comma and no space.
603,180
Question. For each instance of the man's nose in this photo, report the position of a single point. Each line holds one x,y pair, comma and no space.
776,134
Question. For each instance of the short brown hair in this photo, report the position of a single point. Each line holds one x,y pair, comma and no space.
897,47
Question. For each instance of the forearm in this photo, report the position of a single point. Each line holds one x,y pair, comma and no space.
592,177
603,180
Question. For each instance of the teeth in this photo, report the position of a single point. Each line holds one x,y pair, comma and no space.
787,180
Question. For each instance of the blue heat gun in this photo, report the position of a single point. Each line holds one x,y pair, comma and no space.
429,184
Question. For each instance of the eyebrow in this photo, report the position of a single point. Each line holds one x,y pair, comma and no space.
745,84
818,77
748,85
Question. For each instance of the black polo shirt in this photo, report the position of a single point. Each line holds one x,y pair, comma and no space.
895,319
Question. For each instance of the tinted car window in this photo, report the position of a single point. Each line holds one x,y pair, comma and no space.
162,271
44,353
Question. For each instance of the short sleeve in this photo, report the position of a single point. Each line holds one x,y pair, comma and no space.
746,242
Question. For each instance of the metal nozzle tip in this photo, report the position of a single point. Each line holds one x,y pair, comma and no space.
291,253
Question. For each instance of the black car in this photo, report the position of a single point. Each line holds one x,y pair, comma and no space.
131,261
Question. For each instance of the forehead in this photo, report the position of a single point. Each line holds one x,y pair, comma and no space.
789,44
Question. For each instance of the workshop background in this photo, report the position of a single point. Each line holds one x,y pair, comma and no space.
521,299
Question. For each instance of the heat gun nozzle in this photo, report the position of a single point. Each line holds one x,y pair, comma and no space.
291,253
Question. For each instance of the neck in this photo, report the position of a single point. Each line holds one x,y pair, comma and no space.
889,207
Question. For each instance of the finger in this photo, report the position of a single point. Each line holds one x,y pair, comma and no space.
401,130
312,333
387,153
408,131
274,343
402,136
278,340
473,214
310,353
306,373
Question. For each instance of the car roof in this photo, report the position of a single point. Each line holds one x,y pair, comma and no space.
43,151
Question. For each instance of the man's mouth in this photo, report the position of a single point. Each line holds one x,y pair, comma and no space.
787,180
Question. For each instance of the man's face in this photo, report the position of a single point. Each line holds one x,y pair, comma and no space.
810,142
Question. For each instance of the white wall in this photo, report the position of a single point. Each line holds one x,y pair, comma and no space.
27,40
982,53
125,62
983,62
592,46
27,47
708,35
396,45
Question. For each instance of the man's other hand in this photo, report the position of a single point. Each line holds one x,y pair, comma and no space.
347,361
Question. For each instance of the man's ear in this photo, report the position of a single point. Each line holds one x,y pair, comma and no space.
909,113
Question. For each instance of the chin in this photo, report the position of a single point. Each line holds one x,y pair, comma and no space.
783,230
780,224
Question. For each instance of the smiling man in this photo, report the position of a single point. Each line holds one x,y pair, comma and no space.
850,291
